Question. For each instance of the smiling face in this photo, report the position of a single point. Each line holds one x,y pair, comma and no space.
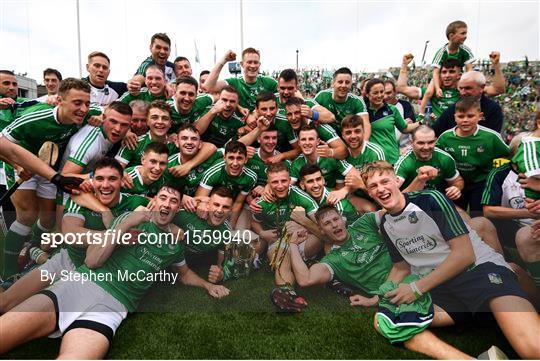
268,141
230,102
250,64
139,125
450,76
279,182
185,97
423,144
52,83
313,184
159,122
73,106
383,187
155,81
376,95
333,226
353,136
286,89
294,116
342,84
467,86
153,165
107,183
168,203
267,109
98,70
116,125
219,209
234,163
189,143
390,94
182,68
160,51
308,140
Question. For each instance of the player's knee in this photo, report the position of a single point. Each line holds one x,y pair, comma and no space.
527,247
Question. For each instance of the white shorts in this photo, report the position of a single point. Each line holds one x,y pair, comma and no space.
44,188
85,305
60,261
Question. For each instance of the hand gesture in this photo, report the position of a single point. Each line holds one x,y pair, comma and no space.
403,294
306,111
134,87
324,150
215,274
130,141
127,181
495,57
229,56
407,58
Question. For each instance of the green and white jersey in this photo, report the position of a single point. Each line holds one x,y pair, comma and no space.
14,111
257,165
86,147
129,272
216,175
168,69
363,260
333,170
439,105
310,102
132,157
474,154
221,130
420,233
352,105
464,55
383,123
92,220
200,106
144,94
344,207
139,188
40,125
248,92
190,182
326,133
274,215
286,135
526,160
200,236
371,152
407,169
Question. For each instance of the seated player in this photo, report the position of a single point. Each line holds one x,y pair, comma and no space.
147,178
205,239
269,223
426,236
87,314
78,220
231,173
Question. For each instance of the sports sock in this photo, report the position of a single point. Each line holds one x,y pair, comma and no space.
13,243
534,270
37,231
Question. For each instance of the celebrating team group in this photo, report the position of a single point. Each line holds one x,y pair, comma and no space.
429,217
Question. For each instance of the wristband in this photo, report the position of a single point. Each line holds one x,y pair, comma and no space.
315,115
417,293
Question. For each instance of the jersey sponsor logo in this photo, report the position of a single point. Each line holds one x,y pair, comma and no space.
495,278
416,244
517,202
413,218
480,149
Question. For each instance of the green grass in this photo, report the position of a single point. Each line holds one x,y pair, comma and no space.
179,322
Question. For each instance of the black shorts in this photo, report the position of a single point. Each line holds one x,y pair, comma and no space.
469,292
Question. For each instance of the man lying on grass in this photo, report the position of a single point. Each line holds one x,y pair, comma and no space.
86,314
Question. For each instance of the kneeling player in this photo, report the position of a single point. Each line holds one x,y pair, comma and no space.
86,314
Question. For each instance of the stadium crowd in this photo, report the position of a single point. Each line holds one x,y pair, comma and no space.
424,211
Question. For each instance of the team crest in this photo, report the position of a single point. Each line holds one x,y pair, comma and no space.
495,278
413,218
480,149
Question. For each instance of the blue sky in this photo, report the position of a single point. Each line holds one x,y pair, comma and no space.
364,35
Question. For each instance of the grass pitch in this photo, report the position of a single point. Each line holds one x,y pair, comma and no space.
179,322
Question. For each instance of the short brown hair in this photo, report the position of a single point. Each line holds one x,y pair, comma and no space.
294,101
98,53
250,51
325,209
161,36
72,83
454,26
352,121
160,104
276,168
120,107
379,166
467,103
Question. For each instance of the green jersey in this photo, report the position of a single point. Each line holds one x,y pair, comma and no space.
464,55
257,165
200,106
40,125
216,175
200,236
190,182
144,94
371,152
344,207
129,271
139,187
221,130
132,157
407,169
93,221
474,154
333,170
286,135
526,160
326,133
168,69
274,215
352,105
383,123
248,92
363,261
310,102
439,105
15,110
